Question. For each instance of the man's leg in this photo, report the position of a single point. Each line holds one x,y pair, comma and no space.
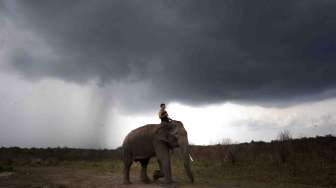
165,124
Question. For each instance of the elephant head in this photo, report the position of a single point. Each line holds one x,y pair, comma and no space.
176,136
167,135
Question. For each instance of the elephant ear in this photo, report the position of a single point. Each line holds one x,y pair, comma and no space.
168,135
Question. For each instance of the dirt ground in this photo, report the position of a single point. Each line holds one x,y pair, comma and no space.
66,177
62,177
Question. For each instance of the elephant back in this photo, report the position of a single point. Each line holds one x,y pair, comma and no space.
141,133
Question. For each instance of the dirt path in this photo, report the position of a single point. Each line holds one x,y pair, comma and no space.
64,177
69,177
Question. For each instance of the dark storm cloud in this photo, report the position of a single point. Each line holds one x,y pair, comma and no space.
189,51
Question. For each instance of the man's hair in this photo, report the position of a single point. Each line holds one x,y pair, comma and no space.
162,104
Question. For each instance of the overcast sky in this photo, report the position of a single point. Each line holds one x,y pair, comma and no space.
84,73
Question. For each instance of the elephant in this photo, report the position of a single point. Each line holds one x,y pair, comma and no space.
156,140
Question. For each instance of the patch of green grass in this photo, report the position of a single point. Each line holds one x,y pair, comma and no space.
247,174
242,174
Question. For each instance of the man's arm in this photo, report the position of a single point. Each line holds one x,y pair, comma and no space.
163,114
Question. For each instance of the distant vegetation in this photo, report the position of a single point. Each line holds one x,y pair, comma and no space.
307,161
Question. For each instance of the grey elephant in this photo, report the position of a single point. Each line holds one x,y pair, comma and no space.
153,140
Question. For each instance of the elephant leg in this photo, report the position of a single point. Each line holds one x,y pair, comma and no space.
164,157
144,177
158,173
127,165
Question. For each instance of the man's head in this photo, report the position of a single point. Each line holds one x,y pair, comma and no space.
163,105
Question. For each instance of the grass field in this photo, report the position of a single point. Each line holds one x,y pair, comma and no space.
308,162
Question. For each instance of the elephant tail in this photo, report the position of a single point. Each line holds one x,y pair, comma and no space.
125,153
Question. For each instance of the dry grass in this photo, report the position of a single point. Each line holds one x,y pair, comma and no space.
305,162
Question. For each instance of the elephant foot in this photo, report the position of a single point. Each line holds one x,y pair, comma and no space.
157,174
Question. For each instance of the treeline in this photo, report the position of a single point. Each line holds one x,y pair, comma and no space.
51,156
322,148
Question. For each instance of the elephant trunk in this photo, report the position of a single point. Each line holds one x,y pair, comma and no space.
186,157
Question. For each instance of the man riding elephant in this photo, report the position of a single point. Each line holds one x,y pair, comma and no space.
154,140
167,124
163,115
